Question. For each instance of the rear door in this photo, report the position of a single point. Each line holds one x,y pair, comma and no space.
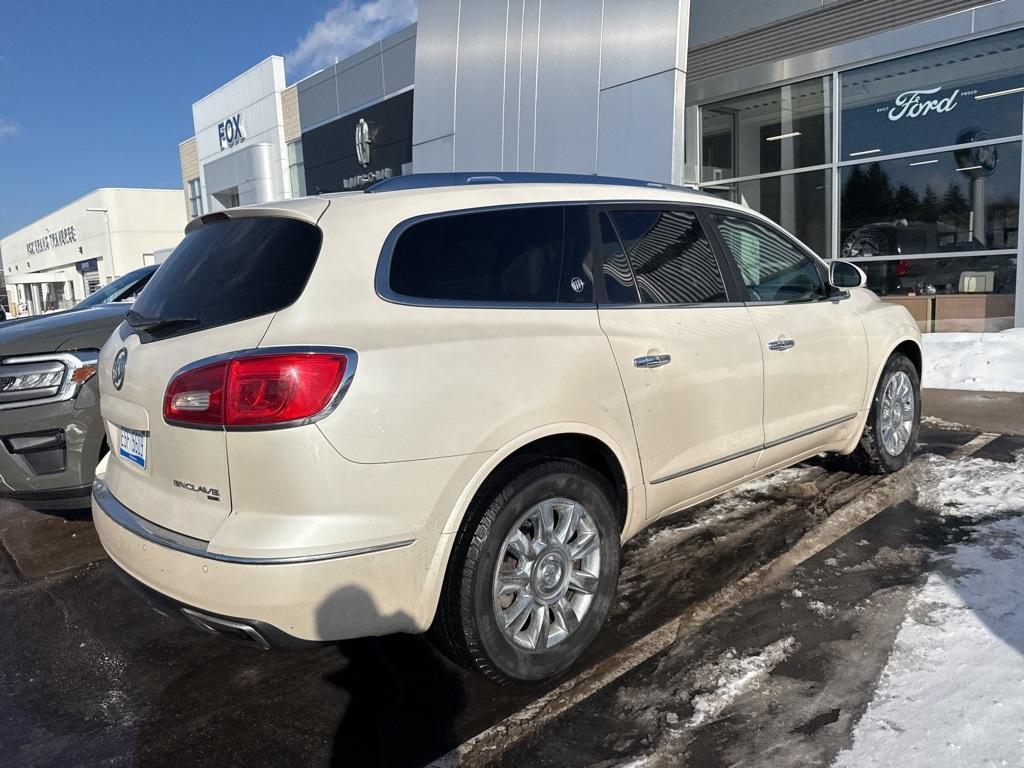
813,344
686,350
215,295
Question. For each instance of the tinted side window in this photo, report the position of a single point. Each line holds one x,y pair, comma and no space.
231,270
506,256
618,277
772,268
671,257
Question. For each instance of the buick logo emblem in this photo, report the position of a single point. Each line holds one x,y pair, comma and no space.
363,142
117,369
577,284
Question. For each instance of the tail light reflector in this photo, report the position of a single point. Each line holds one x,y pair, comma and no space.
255,390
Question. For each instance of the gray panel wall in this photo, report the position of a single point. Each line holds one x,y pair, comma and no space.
365,77
831,24
533,85
568,84
480,102
715,19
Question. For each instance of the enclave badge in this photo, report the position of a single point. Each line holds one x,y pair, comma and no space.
117,369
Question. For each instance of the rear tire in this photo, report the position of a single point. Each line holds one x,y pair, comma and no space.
890,434
532,574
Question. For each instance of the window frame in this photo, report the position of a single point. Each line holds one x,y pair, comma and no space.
382,275
832,294
195,198
733,292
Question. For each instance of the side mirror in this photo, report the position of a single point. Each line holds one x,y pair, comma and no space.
845,274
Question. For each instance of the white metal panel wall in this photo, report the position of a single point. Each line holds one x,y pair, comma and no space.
642,39
479,105
434,103
568,81
528,85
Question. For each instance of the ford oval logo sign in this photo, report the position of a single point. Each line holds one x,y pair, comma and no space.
117,369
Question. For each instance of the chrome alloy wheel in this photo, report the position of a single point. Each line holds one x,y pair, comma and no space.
897,413
547,574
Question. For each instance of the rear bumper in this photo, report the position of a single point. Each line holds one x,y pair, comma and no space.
287,601
248,631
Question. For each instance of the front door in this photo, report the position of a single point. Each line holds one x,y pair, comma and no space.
688,355
813,345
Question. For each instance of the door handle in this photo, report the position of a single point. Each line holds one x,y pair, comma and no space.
781,344
652,361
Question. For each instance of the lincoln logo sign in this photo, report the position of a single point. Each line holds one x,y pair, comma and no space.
231,131
363,142
914,104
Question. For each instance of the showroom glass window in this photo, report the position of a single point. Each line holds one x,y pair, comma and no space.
952,95
929,179
195,198
297,169
753,149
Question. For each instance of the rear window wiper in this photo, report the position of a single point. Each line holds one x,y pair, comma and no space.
151,324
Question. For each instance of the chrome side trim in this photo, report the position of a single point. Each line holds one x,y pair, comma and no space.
708,465
189,545
748,451
810,431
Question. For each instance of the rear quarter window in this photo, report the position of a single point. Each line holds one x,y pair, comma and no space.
231,270
520,255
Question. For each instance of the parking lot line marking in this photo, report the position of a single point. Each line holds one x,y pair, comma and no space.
872,498
974,445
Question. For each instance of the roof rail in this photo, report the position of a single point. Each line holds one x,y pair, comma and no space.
429,180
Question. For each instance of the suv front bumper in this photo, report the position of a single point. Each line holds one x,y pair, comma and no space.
48,453
283,601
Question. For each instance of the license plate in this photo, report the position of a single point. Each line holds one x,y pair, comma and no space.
133,446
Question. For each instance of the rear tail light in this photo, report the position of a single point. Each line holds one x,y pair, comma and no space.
258,390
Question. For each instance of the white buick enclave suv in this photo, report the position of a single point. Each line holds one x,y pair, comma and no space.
447,401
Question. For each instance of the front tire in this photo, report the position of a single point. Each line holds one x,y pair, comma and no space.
890,435
533,573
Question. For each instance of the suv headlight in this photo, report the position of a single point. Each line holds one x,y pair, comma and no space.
48,378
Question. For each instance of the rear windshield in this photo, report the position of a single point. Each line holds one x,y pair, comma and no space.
125,288
227,271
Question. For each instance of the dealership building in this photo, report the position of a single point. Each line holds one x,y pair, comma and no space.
63,257
886,133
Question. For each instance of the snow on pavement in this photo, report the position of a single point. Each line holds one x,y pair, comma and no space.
729,676
952,692
991,362
972,487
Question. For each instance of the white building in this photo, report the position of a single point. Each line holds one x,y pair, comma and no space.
60,259
240,152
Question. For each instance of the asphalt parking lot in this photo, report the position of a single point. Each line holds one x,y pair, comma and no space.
812,568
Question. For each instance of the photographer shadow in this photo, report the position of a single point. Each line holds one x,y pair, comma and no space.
401,697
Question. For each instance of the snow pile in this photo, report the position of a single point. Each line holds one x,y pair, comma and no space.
973,487
952,693
992,362
729,676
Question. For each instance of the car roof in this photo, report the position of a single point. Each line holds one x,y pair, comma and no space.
412,195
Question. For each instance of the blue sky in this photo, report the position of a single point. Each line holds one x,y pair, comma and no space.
99,93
